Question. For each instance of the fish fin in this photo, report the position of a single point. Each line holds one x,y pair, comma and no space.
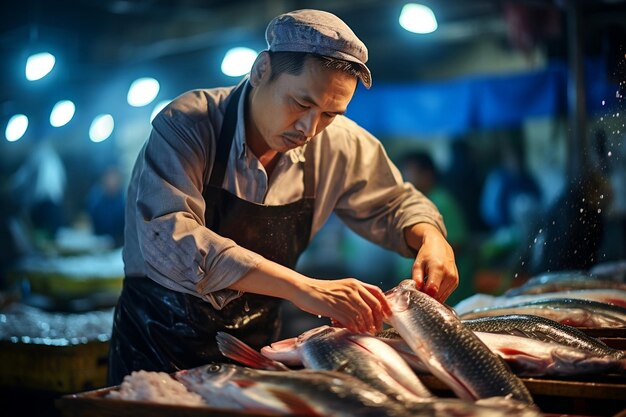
295,403
235,349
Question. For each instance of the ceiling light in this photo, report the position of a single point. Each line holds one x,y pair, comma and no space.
142,91
101,128
418,18
62,113
16,127
39,65
238,61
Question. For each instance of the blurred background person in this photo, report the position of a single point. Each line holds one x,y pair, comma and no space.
38,190
510,191
463,180
105,205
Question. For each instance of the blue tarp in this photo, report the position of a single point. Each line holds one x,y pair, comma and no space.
465,104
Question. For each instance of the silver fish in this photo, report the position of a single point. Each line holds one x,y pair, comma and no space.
572,312
302,392
612,270
608,296
362,356
530,357
325,394
542,329
580,283
448,349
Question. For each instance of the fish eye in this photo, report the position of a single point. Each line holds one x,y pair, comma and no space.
213,368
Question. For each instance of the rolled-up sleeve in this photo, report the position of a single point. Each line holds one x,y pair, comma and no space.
177,247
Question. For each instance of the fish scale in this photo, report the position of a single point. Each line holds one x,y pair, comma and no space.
450,351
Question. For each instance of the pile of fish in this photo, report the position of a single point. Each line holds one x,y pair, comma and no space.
479,355
574,298
442,344
537,323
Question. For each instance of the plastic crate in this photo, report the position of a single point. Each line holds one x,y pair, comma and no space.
62,369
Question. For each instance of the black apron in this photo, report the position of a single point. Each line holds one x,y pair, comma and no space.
158,329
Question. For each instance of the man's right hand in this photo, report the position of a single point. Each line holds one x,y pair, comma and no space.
355,305
358,306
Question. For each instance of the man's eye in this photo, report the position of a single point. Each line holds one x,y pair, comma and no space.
300,105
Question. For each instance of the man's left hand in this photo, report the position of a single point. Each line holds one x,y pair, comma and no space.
434,270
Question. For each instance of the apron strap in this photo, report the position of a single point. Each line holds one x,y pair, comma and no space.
309,172
225,139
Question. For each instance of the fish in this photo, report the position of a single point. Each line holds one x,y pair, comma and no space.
611,270
612,296
300,392
529,357
608,296
571,312
579,283
542,329
363,356
450,351
308,392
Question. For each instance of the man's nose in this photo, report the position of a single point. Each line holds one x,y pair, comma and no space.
307,124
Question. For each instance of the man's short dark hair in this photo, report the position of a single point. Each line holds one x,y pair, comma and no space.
293,63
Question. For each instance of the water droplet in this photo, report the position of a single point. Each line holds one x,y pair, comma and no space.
602,196
599,211
601,118
535,240
516,274
610,153
581,210
540,230
603,102
246,307
319,316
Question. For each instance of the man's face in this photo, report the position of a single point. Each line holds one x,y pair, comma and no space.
291,109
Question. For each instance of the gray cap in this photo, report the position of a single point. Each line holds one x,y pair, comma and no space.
317,32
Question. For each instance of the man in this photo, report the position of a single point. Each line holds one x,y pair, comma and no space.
232,185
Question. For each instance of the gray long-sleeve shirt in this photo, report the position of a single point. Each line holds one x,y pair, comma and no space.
166,238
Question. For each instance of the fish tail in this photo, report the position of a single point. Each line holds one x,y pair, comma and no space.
237,350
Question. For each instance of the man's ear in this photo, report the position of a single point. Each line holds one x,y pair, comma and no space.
261,69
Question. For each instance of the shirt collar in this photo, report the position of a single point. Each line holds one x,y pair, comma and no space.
294,155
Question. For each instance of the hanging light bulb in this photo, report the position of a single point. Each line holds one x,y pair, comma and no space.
39,65
418,18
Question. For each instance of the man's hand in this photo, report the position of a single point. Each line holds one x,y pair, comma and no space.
434,270
350,303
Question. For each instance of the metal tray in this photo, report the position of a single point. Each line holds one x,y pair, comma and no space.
95,404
